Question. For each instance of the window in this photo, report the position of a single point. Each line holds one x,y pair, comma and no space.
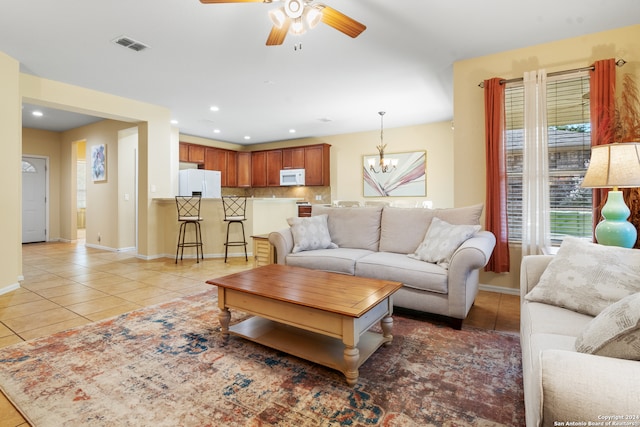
28,167
569,134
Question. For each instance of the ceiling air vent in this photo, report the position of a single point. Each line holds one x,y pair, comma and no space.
130,43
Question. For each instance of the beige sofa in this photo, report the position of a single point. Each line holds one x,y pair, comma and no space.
375,242
594,385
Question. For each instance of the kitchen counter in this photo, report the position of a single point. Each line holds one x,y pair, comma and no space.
263,216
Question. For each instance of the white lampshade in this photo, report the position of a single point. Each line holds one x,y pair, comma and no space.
614,165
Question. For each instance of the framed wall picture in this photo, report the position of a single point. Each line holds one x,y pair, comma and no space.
407,178
99,163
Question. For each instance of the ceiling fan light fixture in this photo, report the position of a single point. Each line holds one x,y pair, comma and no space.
297,27
313,16
294,8
278,17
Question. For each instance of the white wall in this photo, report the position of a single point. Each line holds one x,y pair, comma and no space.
10,174
127,191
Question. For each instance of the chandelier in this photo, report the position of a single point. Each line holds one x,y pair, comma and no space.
385,165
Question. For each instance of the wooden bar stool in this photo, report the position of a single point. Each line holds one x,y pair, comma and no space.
189,213
234,213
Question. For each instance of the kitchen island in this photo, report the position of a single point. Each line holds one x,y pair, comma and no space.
263,216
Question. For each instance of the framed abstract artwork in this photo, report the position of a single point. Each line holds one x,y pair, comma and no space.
407,178
99,163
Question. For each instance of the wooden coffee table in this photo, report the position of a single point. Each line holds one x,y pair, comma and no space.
315,315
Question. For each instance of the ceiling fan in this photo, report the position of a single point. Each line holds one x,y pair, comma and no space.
298,15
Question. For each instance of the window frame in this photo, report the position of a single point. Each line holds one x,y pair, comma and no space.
580,207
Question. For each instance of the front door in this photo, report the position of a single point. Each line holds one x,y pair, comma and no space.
34,200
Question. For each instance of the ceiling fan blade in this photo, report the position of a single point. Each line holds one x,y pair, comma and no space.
342,22
234,1
277,35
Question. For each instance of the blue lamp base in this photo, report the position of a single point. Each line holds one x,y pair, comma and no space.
614,229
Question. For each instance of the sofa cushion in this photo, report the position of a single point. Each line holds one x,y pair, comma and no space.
357,228
539,318
395,234
398,267
396,237
442,240
459,216
341,260
586,277
615,332
310,233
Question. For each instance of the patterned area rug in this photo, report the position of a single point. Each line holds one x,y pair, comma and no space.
167,365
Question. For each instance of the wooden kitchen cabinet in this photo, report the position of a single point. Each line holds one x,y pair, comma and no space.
316,164
274,165
196,153
214,159
259,169
232,168
184,152
293,158
243,169
225,161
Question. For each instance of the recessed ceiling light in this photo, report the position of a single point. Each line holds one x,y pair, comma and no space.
247,137
174,122
214,108
216,131
292,131
37,113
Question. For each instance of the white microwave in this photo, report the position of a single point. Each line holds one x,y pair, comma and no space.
292,177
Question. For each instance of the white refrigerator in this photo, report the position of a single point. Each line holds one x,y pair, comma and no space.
203,181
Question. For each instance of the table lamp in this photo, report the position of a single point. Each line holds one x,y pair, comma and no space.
613,166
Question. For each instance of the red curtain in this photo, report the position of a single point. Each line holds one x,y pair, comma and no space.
496,205
602,84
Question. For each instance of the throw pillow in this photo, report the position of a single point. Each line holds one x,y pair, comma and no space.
442,240
587,277
615,332
310,233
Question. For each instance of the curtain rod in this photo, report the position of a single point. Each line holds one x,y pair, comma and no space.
619,63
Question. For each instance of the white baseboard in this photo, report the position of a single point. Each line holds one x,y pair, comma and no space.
499,289
102,248
9,288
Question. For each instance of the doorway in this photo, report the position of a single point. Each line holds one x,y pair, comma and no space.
34,199
81,190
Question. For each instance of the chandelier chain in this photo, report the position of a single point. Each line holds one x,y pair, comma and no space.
386,165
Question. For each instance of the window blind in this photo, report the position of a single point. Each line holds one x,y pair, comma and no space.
569,135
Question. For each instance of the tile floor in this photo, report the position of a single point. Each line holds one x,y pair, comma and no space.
67,285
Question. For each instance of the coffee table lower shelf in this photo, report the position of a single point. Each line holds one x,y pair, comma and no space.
311,346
